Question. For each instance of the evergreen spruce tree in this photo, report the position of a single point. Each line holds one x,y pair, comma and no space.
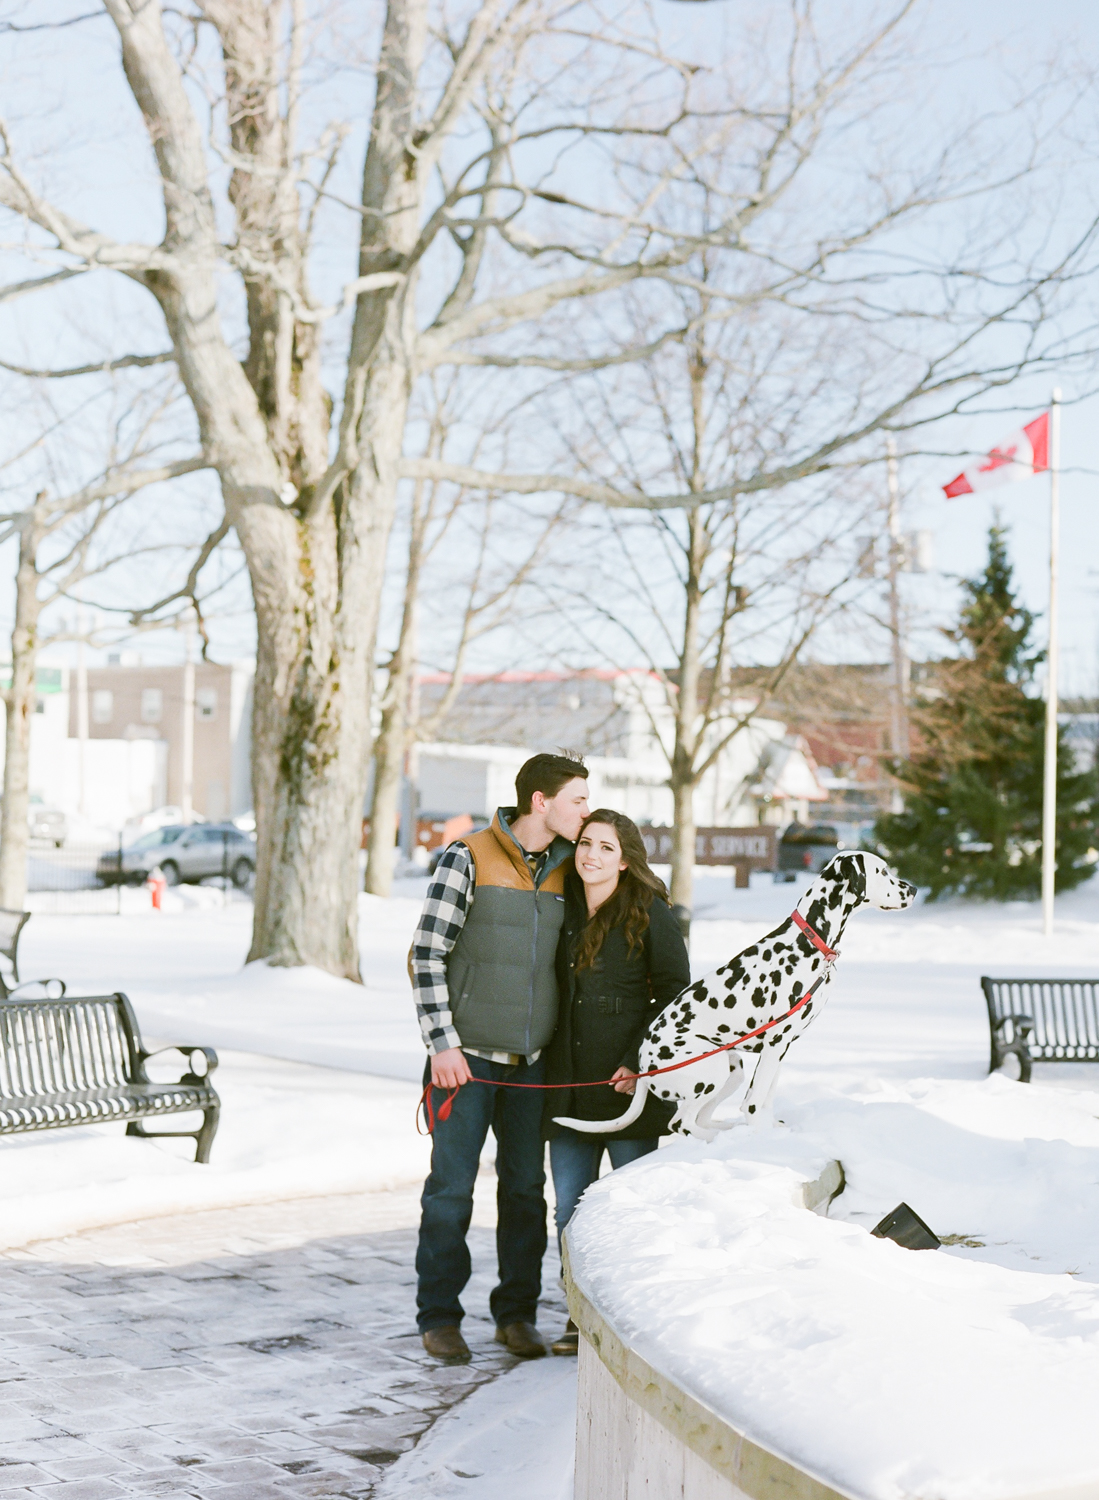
972,822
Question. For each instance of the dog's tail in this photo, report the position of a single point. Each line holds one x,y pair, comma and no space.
609,1127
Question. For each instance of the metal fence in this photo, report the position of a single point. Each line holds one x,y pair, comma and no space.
70,879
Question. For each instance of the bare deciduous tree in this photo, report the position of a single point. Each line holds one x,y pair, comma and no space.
698,593
61,548
520,162
488,560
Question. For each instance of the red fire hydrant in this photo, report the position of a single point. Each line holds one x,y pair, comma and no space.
157,886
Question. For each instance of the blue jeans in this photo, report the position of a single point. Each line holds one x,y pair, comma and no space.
442,1257
575,1159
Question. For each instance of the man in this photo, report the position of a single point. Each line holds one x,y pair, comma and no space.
482,966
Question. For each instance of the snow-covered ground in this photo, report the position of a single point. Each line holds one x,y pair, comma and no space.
905,1005
287,1131
905,1001
974,1370
320,1077
511,1438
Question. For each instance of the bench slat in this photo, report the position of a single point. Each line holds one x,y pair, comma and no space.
90,1106
54,1045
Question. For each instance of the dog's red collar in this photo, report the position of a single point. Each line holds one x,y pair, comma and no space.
815,938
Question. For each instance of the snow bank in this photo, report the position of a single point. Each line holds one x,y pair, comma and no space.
287,1131
905,1001
969,1371
184,970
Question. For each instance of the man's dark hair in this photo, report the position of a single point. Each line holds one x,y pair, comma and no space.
546,774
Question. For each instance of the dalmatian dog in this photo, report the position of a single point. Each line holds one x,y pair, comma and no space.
761,983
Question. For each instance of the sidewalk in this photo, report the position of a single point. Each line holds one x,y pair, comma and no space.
234,1354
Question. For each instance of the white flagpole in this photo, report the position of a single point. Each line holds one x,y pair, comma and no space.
1049,787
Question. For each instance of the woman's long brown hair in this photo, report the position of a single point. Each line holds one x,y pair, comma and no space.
628,906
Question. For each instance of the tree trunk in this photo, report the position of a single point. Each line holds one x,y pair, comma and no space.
391,748
684,774
683,847
19,700
397,732
311,724
316,569
389,755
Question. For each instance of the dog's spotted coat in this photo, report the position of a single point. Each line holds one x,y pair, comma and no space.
764,981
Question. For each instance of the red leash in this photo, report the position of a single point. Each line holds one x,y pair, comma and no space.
830,956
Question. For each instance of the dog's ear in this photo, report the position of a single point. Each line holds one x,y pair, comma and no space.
854,869
848,873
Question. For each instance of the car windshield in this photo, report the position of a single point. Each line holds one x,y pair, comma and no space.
158,837
819,833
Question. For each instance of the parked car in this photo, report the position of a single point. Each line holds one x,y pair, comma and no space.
805,847
45,822
159,817
182,853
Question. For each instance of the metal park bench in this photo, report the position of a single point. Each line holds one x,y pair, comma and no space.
70,1061
1041,1020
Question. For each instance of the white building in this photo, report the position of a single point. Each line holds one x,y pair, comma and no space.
762,775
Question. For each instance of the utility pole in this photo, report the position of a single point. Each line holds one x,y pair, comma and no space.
187,792
898,697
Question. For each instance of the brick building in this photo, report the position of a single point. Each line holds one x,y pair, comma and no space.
147,703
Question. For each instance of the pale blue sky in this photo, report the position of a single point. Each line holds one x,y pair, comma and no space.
975,39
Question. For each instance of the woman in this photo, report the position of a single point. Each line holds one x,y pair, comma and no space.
621,958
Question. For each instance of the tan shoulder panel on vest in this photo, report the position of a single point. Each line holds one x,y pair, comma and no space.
495,865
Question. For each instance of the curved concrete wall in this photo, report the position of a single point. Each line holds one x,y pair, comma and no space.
639,1435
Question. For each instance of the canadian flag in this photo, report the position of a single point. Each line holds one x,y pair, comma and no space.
1020,455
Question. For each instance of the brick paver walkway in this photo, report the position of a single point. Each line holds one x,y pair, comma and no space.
231,1354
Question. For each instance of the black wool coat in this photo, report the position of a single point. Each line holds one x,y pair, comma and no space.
604,1012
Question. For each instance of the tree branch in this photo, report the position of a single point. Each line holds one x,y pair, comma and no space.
127,482
212,542
125,362
20,288
75,238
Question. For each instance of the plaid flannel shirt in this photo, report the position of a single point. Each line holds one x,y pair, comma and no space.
449,898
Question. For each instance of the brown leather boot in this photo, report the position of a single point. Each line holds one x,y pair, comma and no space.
448,1345
522,1339
567,1342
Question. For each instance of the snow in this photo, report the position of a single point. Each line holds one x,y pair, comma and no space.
884,1371
287,1131
971,1370
512,1437
182,969
905,1001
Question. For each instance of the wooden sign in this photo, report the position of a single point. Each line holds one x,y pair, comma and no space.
746,848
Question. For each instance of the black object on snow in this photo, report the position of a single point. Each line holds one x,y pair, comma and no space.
905,1227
